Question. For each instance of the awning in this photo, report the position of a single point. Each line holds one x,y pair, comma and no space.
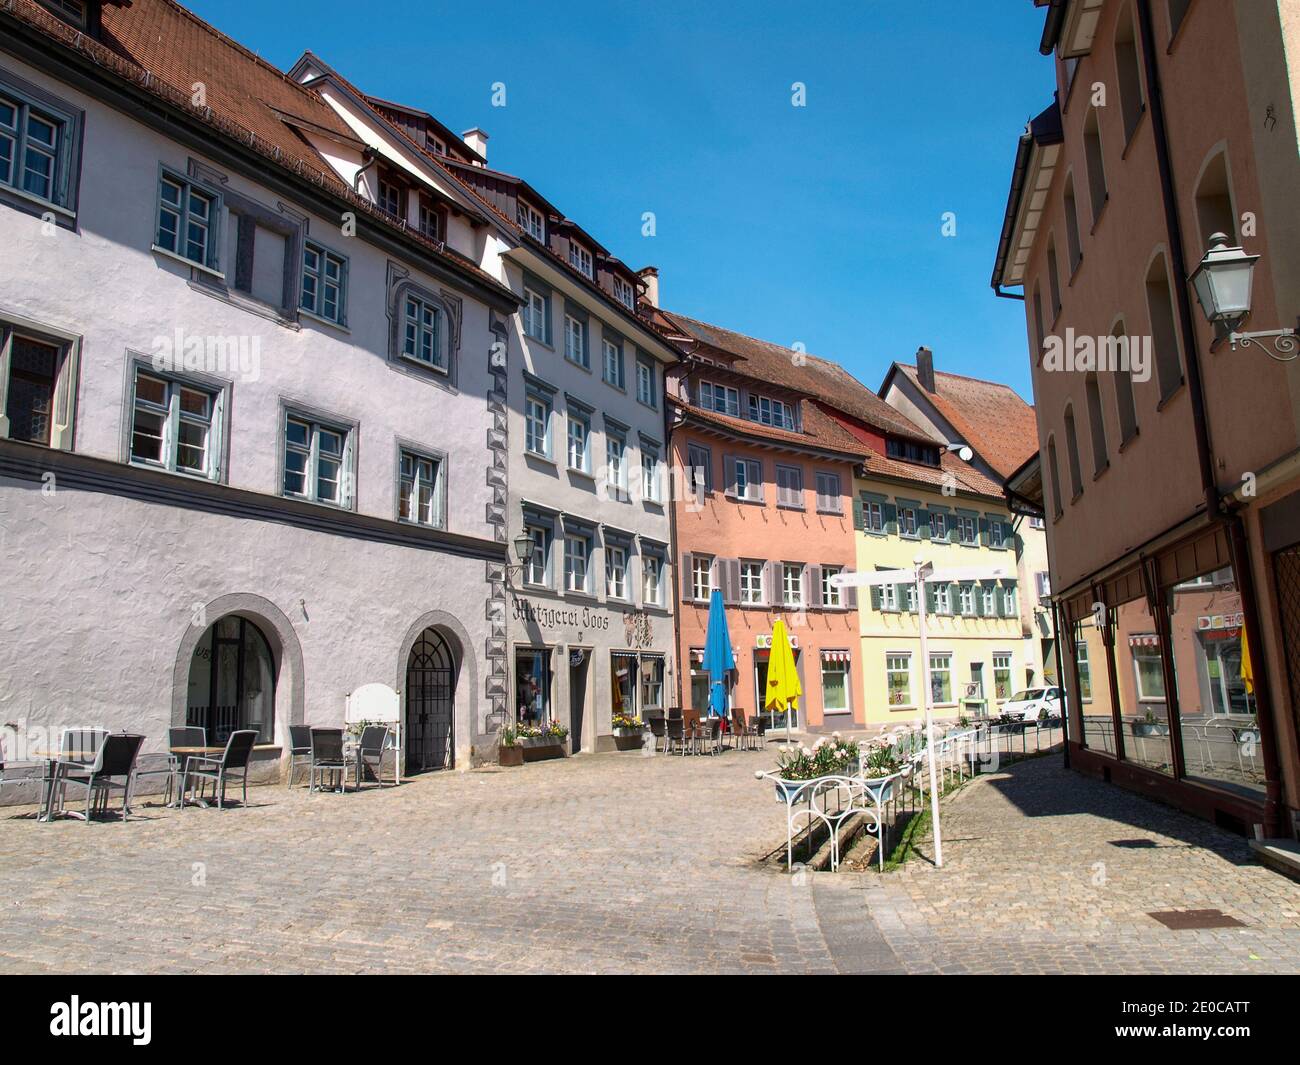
835,656
1144,639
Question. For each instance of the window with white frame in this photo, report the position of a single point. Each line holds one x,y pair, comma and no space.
612,364
873,516
829,500
187,220
792,583
720,398
748,479
431,218
316,461
73,11
422,326
789,486
174,425
615,571
580,259
967,529
324,283
988,596
1036,523
772,412
538,569
392,195
575,340
909,597
536,313
941,679
701,576
41,376
832,594
1010,608
966,598
1150,673
530,221
907,521
943,599
751,583
537,424
1002,676
938,525
997,532
616,463
898,680
1043,584
652,578
645,383
1085,671
420,490
835,682
651,473
624,292
577,553
579,440
889,597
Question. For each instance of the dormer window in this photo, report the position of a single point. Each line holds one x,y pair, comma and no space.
720,398
530,221
580,259
772,412
625,293
76,12
911,451
433,218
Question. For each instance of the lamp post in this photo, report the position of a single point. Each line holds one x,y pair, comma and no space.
523,545
1223,282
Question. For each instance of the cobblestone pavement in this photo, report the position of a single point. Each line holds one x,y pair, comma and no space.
615,863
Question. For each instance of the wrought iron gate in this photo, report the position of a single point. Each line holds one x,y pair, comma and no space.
1286,568
430,698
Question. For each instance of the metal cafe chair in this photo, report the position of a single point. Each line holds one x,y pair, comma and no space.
168,764
112,770
674,734
239,748
327,757
658,730
299,749
370,754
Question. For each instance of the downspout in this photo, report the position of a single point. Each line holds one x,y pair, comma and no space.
1060,680
683,668
369,157
1214,503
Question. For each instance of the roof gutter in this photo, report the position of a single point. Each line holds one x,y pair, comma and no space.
1052,27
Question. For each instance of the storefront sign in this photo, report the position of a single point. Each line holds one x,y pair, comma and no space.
560,617
1219,621
764,643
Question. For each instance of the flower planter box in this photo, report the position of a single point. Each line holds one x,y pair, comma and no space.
1143,728
539,749
510,756
628,739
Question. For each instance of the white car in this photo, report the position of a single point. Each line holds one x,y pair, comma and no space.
1035,703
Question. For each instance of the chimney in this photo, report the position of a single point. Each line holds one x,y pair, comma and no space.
476,140
925,369
650,275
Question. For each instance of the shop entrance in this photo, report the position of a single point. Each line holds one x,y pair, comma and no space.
579,666
430,700
774,717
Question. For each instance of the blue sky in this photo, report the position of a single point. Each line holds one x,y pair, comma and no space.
819,224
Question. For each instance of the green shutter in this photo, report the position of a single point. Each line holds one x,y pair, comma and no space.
923,524
930,597
984,532
891,519
875,598
859,519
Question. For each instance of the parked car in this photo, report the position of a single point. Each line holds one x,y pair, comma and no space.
1034,704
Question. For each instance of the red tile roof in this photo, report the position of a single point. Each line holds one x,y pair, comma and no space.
991,417
164,49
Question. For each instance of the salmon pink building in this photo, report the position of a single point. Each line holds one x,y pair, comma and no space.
763,484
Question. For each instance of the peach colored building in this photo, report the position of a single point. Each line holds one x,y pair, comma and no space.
763,507
1169,464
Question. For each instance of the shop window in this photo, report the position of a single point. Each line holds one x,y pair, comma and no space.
623,683
835,683
1002,676
1096,706
533,686
941,680
1139,672
898,681
652,683
1216,700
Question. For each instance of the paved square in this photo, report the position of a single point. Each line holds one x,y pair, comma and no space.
618,863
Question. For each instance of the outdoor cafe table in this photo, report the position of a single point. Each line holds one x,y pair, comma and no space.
184,754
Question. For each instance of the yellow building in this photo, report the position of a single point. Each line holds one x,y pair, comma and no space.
974,628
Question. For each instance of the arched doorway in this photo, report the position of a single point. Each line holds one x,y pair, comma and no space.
232,681
430,702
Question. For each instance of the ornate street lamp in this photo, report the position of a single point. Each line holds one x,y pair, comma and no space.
1223,283
523,548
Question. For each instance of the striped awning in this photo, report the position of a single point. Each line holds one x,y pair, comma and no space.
835,656
1144,639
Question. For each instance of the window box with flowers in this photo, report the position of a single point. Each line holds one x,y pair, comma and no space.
629,735
540,742
509,750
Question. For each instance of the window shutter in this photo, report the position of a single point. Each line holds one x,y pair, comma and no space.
805,585
984,532
686,579
772,583
931,598
1009,608
730,570
891,519
729,469
815,582
849,596
875,597
859,520
923,524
